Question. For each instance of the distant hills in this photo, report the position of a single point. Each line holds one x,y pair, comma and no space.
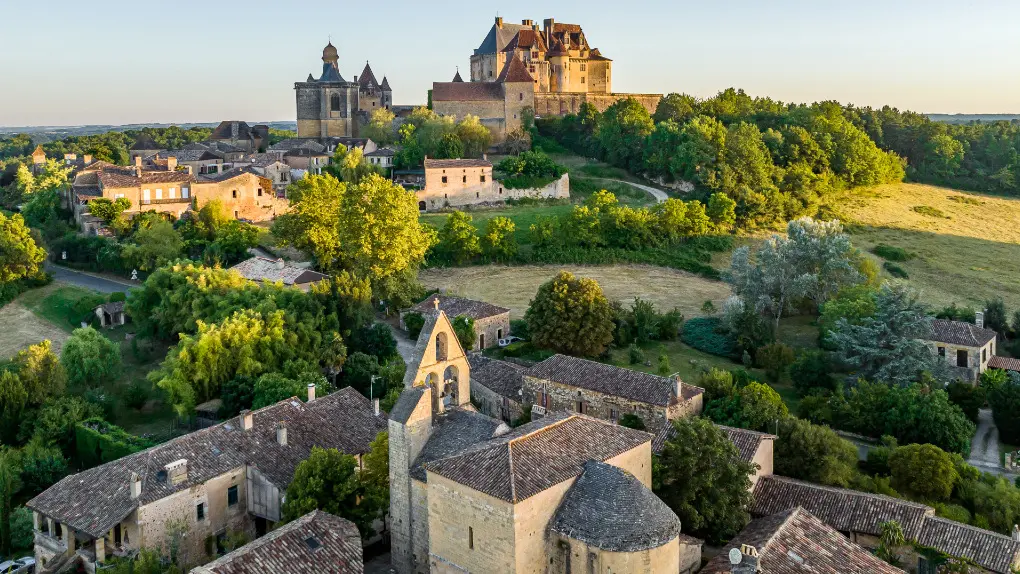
967,118
49,133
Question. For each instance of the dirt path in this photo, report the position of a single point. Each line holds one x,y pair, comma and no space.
405,346
658,194
984,447
21,328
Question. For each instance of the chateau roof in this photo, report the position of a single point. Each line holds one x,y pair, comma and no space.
527,39
330,73
796,542
367,78
989,550
960,333
455,164
93,501
457,78
607,507
537,455
466,91
515,72
385,84
612,380
499,37
746,441
1004,363
454,306
503,378
273,270
316,543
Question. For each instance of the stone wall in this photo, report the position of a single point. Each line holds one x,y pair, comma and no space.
484,109
489,330
463,186
408,524
246,196
470,529
492,404
977,358
665,559
559,189
565,398
563,103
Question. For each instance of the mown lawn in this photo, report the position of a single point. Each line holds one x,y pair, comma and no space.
60,304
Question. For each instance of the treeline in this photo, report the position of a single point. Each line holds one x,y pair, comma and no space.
776,160
426,133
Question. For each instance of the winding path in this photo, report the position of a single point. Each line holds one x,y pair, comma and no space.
658,194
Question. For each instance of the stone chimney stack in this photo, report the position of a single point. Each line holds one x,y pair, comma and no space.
171,163
281,433
138,166
177,471
87,158
281,264
136,487
979,319
245,420
527,23
744,560
375,406
549,24
1016,533
311,392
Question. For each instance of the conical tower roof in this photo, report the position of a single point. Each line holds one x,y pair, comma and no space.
457,77
367,78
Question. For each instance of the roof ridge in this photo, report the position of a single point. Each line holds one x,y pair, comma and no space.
970,527
794,512
849,491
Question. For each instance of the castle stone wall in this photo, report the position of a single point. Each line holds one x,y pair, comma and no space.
563,103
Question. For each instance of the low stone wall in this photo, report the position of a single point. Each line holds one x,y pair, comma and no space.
559,189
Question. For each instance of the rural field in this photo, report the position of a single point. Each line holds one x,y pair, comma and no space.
22,328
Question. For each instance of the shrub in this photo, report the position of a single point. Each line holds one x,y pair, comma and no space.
136,395
635,355
717,384
811,371
776,359
968,397
954,313
924,470
632,421
966,200
414,322
930,211
98,442
664,368
519,328
890,253
895,270
953,512
117,296
708,334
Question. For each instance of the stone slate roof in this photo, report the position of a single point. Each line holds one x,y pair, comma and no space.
381,152
514,71
746,441
537,455
263,269
845,510
611,380
454,306
960,333
1004,363
143,142
297,143
367,78
406,404
385,84
229,174
503,378
263,159
455,163
189,155
232,130
452,432
989,550
114,307
330,73
316,543
466,92
93,501
498,38
122,177
607,507
457,78
797,542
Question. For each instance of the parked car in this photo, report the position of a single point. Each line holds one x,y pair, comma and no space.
24,565
509,340
8,566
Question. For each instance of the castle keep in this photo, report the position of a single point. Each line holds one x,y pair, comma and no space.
330,106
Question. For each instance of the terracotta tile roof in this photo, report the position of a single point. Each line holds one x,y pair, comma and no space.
844,510
537,455
1004,363
612,380
503,378
316,543
515,72
746,441
455,164
797,542
960,333
454,306
122,177
989,550
466,91
93,501
273,270
527,39
608,508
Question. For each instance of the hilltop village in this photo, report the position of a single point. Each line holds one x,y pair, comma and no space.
396,339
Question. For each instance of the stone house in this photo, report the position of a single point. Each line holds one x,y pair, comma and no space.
201,161
244,192
316,543
168,190
755,447
143,146
228,477
858,515
562,383
381,157
497,387
965,347
456,182
250,139
111,314
500,105
492,322
263,270
795,541
304,160
272,167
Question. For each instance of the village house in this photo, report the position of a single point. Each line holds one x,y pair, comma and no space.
497,387
304,161
111,314
244,193
966,348
249,139
563,383
168,190
271,166
382,158
200,160
316,543
492,322
462,182
228,477
263,270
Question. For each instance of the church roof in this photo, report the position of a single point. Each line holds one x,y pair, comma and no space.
454,431
515,71
457,78
330,73
610,509
503,378
367,78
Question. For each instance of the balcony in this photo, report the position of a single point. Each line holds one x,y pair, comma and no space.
166,201
50,543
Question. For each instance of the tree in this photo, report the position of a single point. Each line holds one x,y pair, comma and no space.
20,257
924,471
701,476
823,252
622,132
360,370
855,304
721,210
632,421
10,484
891,538
272,388
327,480
334,355
464,327
90,359
1003,390
770,283
811,372
350,165
995,316
458,239
154,246
679,108
888,345
776,359
814,453
380,127
54,422
41,466
414,322
500,240
474,137
570,315
108,210
376,475
40,372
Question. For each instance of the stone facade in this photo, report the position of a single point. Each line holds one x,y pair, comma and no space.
965,362
330,106
459,183
244,194
499,105
495,405
561,104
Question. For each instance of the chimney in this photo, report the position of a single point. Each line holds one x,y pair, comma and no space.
375,406
187,169
87,158
171,163
499,22
281,264
138,161
311,392
245,420
549,24
526,22
281,433
485,157
1016,533
979,319
136,489
177,471
744,560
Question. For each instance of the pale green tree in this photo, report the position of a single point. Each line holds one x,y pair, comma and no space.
500,240
20,257
458,239
90,359
475,137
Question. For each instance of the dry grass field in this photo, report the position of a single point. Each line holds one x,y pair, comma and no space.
513,287
22,328
967,245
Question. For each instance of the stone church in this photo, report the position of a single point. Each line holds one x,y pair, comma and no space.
331,106
565,493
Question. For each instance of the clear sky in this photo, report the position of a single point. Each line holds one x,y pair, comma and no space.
115,62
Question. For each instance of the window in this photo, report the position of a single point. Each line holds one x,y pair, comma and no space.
260,192
499,333
544,399
236,215
582,79
582,407
232,496
185,192
961,358
334,102
172,192
984,355
520,96
481,341
471,538
118,195
942,351
464,179
490,73
200,511
478,195
534,55
145,196
444,179
613,415
483,178
234,193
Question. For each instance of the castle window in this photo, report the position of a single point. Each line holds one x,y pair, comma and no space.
334,102
534,55
444,179
483,178
260,192
582,79
464,179
471,538
234,193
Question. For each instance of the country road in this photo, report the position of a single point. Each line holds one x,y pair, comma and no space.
88,281
658,194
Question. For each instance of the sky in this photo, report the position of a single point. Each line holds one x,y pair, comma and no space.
118,62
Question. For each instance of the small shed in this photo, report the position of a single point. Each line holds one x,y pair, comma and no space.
111,314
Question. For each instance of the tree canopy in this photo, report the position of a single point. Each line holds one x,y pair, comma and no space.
570,315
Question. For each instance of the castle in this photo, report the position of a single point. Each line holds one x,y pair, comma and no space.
333,107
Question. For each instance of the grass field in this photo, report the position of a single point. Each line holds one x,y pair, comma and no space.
967,255
22,328
513,287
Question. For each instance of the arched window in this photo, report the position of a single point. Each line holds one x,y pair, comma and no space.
334,102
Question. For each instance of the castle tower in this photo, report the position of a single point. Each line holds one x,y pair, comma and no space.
326,107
